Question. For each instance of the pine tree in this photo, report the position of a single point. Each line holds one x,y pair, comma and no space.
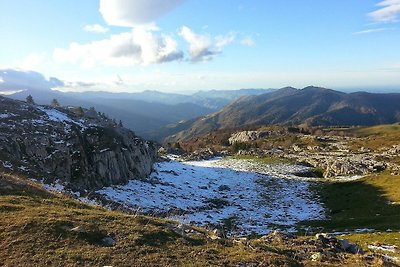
29,100
55,103
79,112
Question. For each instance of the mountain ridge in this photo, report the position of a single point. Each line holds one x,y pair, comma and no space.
310,106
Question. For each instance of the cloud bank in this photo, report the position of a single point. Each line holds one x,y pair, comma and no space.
389,11
131,13
144,44
16,80
121,50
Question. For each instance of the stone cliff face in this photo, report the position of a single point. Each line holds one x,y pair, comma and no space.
80,148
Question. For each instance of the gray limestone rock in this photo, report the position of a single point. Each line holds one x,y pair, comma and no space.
82,152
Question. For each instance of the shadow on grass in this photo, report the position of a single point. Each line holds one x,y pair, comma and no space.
356,205
161,238
157,238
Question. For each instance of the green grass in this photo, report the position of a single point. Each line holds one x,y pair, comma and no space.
373,202
388,129
376,137
390,238
364,204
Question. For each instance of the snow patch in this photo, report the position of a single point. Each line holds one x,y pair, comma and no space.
54,187
385,248
254,197
7,115
55,115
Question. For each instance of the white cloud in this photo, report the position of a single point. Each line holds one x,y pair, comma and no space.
95,28
248,42
371,31
1,80
203,48
125,49
130,13
32,61
389,11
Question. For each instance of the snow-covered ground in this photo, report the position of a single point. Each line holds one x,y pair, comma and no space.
58,116
254,197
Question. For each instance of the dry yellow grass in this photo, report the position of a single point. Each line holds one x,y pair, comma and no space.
35,231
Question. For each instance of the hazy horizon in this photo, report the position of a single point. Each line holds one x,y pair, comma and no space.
160,45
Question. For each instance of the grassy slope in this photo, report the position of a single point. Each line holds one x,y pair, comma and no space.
370,203
32,233
34,223
376,137
367,203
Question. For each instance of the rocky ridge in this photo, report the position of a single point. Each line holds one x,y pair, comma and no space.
332,155
334,158
79,148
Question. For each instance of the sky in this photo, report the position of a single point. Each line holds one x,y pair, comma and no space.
190,45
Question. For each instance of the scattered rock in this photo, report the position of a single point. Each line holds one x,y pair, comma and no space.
108,241
343,245
317,256
224,188
215,234
79,229
201,154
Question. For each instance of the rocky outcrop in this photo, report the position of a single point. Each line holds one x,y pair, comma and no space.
81,149
247,136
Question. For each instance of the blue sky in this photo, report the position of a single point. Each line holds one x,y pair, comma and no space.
188,45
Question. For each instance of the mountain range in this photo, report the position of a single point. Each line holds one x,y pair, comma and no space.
311,106
144,112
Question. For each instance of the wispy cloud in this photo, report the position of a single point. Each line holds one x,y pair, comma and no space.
95,28
203,48
368,31
388,11
248,42
129,13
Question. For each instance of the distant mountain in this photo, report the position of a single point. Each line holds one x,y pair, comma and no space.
310,106
213,99
144,112
137,115
231,95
